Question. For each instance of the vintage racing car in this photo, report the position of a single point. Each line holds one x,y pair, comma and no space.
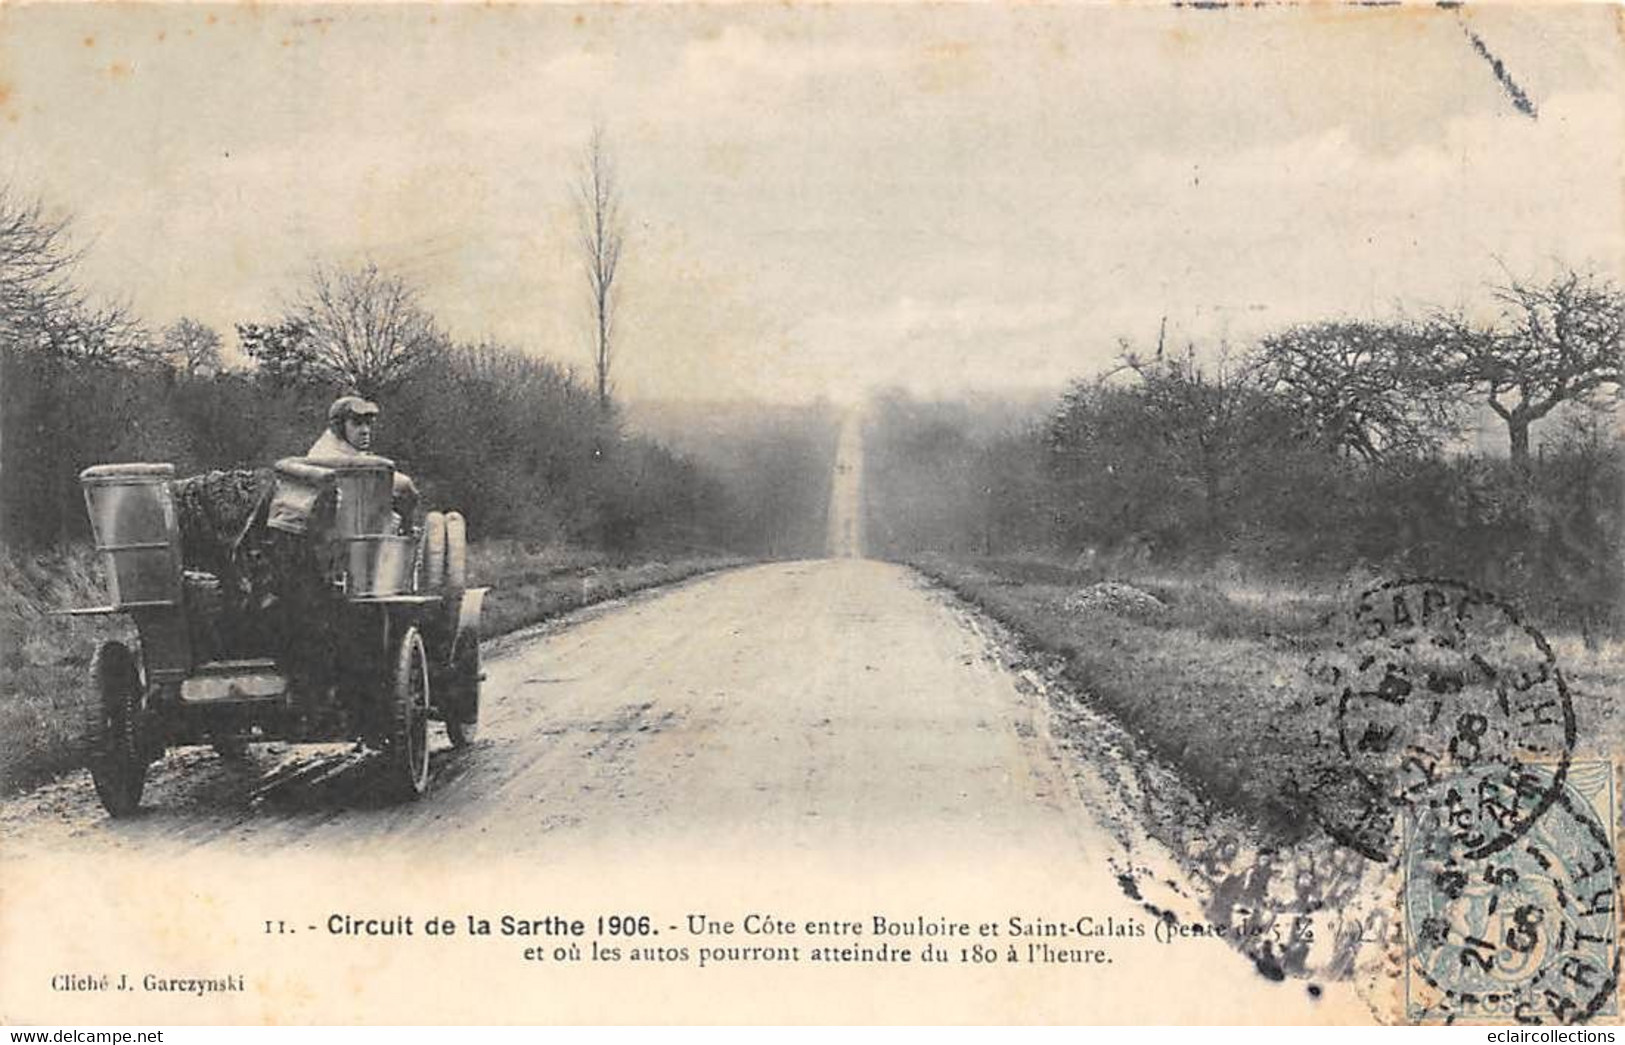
290,606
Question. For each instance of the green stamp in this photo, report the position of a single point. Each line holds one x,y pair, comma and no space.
1529,932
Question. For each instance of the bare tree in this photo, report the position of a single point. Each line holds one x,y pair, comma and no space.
602,231
1210,422
278,350
191,347
35,264
1367,389
41,307
362,328
1557,342
97,335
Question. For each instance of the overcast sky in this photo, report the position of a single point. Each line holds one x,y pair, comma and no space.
824,199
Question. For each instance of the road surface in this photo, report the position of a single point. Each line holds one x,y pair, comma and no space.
830,735
846,491
807,705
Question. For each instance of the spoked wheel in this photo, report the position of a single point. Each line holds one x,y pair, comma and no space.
118,759
462,703
407,745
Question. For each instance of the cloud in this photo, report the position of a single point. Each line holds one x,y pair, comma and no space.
744,55
824,197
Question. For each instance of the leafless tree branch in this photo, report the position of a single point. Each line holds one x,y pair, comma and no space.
363,328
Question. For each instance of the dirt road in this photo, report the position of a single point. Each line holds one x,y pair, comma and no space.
807,705
846,492
826,731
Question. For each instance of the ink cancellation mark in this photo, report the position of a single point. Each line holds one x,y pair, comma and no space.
1441,698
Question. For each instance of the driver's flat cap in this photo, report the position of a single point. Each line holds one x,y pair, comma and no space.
351,406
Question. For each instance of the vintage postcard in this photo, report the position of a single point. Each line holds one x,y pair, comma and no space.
811,513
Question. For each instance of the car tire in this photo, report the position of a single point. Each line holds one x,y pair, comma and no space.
406,748
434,551
117,756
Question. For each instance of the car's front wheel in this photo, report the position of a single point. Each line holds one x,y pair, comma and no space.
406,748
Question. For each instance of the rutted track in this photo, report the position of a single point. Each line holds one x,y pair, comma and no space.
832,707
805,702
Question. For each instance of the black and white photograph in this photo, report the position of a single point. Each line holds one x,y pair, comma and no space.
806,514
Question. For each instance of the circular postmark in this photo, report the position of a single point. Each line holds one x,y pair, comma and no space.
1440,698
1527,933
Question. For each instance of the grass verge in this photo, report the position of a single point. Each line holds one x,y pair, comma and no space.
1214,686
45,660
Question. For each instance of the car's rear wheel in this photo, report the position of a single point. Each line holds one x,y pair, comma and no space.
116,755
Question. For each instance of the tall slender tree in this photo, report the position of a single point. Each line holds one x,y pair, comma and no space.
602,230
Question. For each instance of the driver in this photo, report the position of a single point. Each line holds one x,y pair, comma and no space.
349,434
349,429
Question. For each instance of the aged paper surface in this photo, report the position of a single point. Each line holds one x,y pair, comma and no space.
818,791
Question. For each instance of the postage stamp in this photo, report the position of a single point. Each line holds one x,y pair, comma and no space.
1446,751
1527,932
